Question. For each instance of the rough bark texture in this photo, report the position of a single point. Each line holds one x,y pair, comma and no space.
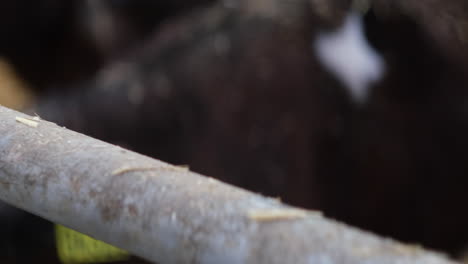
165,213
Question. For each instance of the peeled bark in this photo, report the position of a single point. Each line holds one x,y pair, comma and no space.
165,213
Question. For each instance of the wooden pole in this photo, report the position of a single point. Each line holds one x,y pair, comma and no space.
166,213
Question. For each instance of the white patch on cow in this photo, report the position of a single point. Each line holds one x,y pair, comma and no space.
346,53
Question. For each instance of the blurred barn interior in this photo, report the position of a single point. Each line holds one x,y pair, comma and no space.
236,90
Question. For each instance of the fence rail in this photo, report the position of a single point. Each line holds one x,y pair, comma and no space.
166,213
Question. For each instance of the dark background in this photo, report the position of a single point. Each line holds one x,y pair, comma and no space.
237,93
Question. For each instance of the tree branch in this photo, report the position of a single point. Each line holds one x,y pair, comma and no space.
166,213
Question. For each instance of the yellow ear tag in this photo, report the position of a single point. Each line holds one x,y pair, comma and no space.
76,248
